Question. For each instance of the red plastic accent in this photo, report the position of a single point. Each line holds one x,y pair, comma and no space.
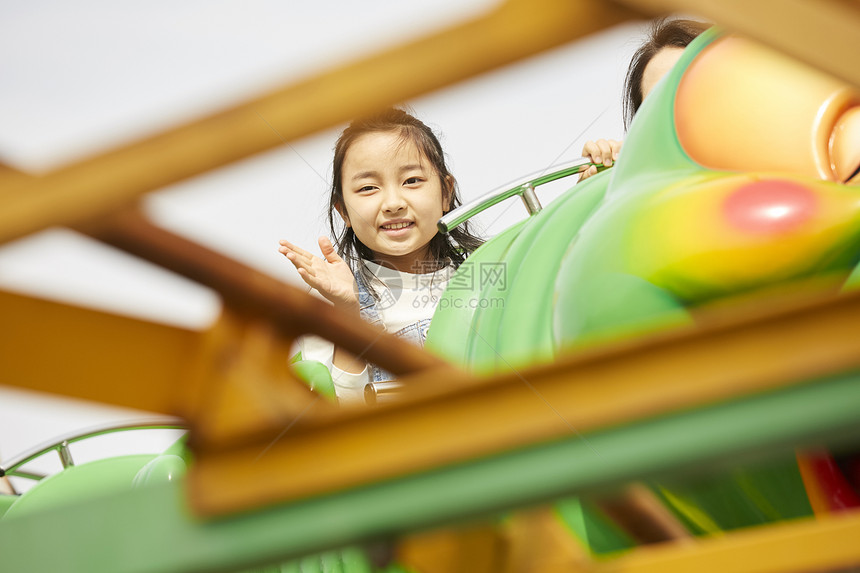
832,483
770,206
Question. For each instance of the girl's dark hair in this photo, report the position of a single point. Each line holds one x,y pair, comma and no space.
454,246
662,34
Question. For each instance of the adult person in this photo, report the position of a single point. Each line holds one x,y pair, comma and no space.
662,48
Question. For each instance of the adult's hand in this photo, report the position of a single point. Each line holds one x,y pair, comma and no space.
601,152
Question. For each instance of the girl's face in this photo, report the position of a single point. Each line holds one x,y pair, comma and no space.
392,199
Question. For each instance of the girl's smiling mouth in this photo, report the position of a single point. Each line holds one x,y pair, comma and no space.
396,225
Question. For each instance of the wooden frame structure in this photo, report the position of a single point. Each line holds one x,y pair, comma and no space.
233,385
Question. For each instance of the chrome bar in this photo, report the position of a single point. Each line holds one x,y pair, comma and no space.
148,423
530,199
377,392
65,454
23,474
525,190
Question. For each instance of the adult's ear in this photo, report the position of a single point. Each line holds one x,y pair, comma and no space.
341,210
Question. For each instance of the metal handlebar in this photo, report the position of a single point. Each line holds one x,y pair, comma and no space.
526,191
378,392
61,445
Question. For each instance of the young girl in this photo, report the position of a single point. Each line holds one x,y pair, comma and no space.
388,264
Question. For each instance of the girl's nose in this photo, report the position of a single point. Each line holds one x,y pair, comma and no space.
393,200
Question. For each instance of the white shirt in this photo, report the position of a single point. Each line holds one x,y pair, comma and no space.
404,299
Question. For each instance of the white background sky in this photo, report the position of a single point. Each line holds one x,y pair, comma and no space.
79,77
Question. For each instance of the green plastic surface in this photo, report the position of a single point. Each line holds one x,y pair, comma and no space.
6,502
316,376
574,276
77,483
585,521
453,326
592,266
738,497
158,532
525,329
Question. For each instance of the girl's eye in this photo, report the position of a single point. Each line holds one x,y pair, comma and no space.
413,181
366,188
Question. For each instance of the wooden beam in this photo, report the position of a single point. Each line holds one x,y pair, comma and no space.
257,296
816,544
83,353
484,486
823,33
66,350
739,354
92,188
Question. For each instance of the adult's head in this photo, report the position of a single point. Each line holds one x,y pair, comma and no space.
663,46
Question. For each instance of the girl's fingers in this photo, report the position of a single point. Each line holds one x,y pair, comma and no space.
309,276
328,250
300,258
309,279
300,262
291,255
295,249
286,246
305,254
304,260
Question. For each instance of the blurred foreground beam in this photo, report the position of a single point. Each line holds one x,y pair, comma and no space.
48,346
158,532
82,353
819,544
237,381
92,188
737,354
823,33
254,295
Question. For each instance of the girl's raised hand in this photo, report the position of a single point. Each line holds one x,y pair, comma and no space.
602,151
331,276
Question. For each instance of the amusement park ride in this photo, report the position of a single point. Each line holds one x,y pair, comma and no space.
652,396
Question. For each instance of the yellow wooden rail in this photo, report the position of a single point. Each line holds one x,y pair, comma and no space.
83,353
818,544
582,392
534,540
822,33
95,187
165,369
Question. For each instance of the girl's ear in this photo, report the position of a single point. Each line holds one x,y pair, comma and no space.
341,210
447,193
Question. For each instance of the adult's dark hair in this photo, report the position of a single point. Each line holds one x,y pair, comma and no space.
453,247
663,33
